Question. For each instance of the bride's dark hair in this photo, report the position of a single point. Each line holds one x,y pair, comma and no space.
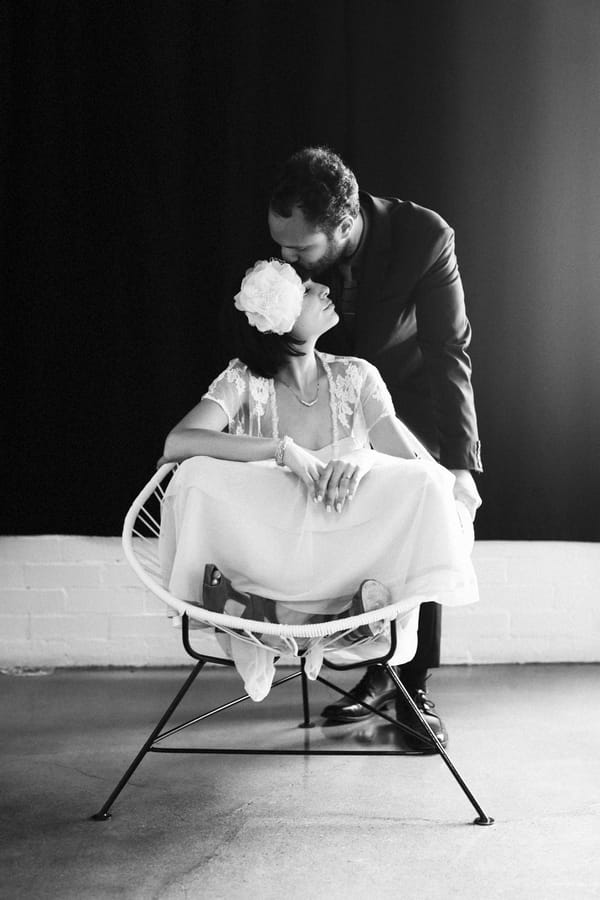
263,353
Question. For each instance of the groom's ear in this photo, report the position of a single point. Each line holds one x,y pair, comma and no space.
345,227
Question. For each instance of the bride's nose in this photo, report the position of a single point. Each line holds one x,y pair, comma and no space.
324,293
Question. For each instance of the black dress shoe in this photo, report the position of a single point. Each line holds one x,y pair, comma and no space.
375,688
406,716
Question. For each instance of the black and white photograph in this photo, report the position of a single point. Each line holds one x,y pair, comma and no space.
300,553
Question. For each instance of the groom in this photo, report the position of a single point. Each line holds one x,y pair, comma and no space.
393,274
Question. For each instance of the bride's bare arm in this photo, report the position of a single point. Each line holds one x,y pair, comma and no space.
200,433
391,436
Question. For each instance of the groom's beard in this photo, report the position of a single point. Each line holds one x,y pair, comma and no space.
331,256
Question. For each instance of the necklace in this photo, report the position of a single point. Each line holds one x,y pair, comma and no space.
297,396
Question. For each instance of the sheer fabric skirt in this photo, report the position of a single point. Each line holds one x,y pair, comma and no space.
258,523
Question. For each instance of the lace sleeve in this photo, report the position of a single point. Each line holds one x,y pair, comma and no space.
375,398
229,390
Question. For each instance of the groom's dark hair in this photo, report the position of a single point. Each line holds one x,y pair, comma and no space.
318,181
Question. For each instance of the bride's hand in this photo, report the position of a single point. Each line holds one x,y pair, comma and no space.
303,464
339,480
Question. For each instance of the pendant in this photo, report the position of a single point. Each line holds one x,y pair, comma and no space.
299,399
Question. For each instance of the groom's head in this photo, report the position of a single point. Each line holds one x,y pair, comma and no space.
313,207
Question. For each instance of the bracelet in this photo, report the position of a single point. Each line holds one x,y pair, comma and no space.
281,448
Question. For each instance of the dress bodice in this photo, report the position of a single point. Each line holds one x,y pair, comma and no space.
358,399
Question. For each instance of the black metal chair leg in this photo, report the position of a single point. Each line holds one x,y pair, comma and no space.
103,814
305,704
482,818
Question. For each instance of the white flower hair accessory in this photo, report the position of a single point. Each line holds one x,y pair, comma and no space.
271,296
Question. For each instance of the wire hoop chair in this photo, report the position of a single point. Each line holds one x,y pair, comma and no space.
141,531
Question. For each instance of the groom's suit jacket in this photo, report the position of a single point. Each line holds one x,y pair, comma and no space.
411,323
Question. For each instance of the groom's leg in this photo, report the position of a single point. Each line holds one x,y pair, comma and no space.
429,640
414,677
377,689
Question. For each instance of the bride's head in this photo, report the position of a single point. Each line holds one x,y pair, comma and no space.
281,315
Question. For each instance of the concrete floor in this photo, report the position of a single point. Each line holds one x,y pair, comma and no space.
525,738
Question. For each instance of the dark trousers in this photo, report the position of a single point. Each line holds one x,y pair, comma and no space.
429,639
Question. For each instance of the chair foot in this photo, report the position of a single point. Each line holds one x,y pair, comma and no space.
306,725
483,820
100,816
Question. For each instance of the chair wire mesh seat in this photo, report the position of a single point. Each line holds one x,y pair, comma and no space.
141,531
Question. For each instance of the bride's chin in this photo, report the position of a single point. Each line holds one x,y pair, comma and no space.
334,320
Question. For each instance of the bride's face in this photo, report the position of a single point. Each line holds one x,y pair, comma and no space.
318,312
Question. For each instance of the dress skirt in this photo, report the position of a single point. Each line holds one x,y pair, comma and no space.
259,525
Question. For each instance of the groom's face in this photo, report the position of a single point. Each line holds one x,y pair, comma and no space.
311,251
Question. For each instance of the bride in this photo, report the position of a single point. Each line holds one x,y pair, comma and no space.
298,481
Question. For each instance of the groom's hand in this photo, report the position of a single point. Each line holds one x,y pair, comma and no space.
466,491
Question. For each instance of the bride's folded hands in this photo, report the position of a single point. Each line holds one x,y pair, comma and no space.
339,479
333,483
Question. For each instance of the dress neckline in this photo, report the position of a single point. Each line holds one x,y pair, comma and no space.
332,418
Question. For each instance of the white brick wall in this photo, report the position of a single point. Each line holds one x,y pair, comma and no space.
73,601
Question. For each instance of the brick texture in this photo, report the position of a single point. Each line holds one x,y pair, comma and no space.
73,601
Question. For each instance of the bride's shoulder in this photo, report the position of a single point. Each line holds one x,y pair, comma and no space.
236,374
346,363
237,365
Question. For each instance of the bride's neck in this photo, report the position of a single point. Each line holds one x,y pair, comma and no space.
301,371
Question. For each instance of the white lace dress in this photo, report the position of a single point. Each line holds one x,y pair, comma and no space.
257,522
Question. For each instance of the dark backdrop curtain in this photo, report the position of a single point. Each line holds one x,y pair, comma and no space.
140,142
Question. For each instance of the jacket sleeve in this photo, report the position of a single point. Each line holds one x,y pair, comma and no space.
444,335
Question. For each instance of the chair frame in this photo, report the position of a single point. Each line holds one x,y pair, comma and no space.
160,732
157,735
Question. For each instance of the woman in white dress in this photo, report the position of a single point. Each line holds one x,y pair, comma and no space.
298,481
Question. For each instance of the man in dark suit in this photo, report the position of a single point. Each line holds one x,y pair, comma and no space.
393,275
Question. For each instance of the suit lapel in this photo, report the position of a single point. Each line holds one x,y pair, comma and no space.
374,268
